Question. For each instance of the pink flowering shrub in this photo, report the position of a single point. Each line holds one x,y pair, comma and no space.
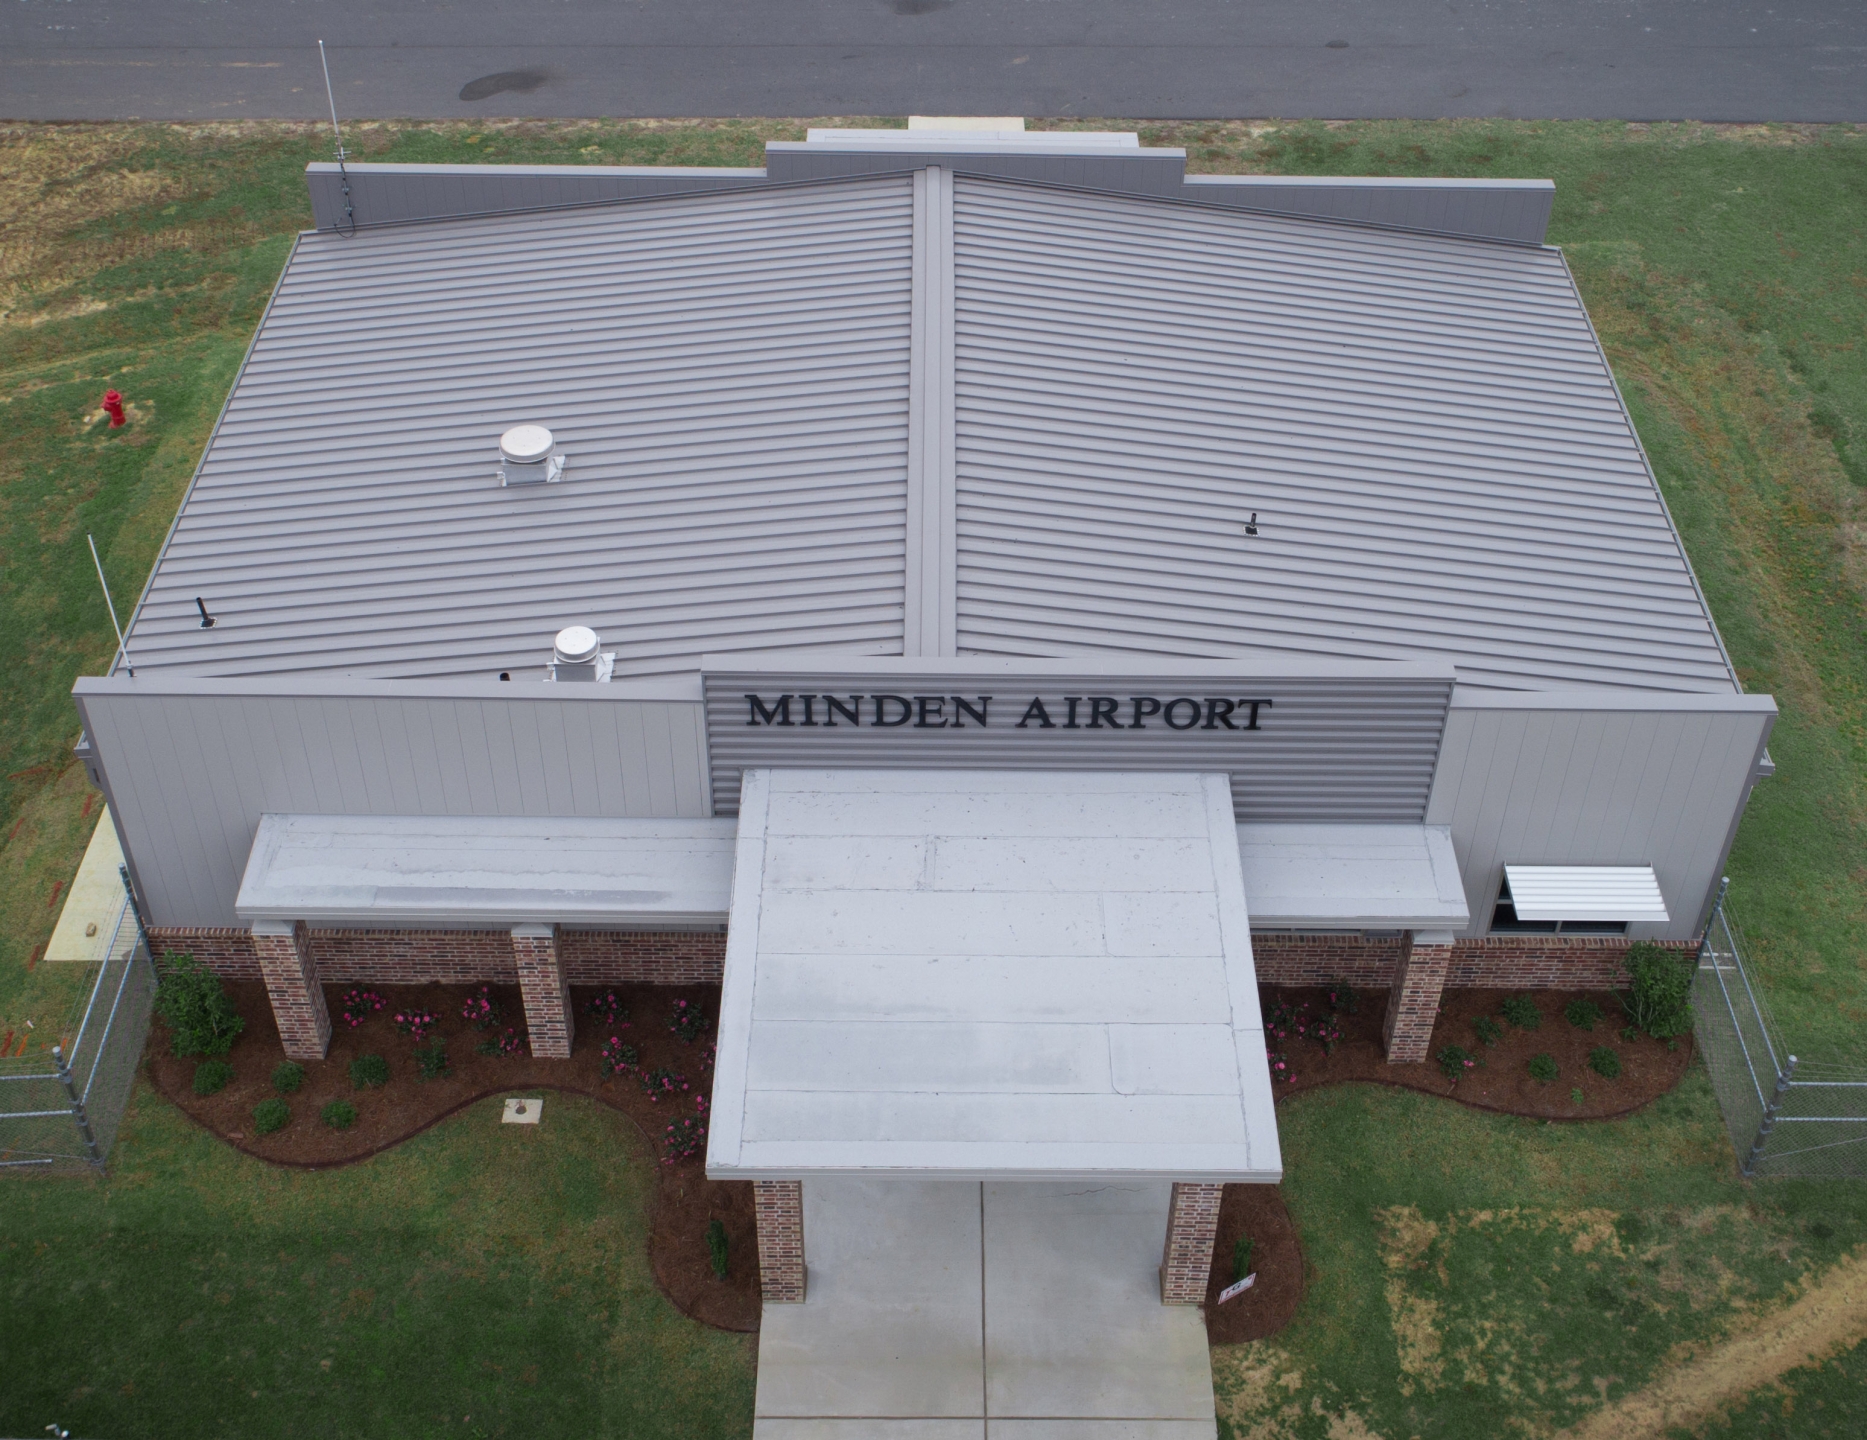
684,1139
416,1023
688,1021
1455,1062
618,1059
608,1008
1280,1067
482,1011
708,1056
663,1081
358,1005
508,1042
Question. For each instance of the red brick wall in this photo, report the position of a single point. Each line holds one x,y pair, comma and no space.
1540,962
467,957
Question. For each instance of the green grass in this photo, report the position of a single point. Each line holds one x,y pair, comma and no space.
481,1280
1814,1402
1471,1273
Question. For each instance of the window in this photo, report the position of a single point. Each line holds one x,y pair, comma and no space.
1504,921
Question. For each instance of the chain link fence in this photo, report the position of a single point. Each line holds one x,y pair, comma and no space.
60,1108
1787,1116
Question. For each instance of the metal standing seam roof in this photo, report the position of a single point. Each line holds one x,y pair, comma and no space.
1425,427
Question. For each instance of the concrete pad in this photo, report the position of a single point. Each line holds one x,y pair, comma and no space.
1074,1327
891,1326
94,902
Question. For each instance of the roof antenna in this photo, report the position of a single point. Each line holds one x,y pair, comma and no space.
122,649
343,175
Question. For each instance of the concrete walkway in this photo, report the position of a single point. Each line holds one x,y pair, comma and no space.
958,1311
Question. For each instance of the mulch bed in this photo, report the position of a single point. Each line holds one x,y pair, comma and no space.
685,1199
1502,1080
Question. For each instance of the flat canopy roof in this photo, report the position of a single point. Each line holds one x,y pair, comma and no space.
1352,877
990,974
474,871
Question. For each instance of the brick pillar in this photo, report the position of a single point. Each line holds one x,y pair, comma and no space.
291,975
1413,1002
779,1207
548,1015
1192,1226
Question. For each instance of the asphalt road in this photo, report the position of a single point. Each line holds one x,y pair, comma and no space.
1721,60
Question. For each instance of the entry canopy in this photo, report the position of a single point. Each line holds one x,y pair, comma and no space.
990,974
1586,892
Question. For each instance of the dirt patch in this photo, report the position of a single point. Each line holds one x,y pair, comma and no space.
685,1199
1830,1317
1501,1079
1256,1211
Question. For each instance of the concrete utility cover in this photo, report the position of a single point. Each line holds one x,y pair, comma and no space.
992,975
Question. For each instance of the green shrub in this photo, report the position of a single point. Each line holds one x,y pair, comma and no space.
1241,1257
194,1004
1543,1067
1660,999
270,1115
1604,1062
211,1077
1488,1029
368,1071
288,1077
339,1114
1455,1060
431,1060
716,1247
1582,1014
1576,1097
1521,1011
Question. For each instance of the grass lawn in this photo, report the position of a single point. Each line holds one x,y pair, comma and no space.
1452,1289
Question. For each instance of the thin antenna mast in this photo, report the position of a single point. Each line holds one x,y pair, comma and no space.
122,649
343,175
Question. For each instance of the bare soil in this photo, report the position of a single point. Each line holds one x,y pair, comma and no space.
685,1199
1501,1079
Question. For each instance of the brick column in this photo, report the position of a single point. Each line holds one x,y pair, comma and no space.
548,1015
1192,1226
1413,1002
779,1208
291,976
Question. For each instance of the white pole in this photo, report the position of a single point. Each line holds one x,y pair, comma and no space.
331,96
122,649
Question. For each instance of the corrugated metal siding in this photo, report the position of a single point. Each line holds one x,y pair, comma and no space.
1495,210
1580,786
1350,748
728,376
190,775
1426,428
1145,172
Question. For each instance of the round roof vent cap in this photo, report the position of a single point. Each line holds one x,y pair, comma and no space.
577,645
526,444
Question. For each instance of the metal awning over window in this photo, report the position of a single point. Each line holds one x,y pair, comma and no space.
1586,892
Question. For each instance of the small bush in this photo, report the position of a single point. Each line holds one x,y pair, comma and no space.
688,1021
481,1011
339,1114
358,1005
270,1115
608,1008
416,1023
1456,1061
1543,1067
1488,1029
369,1071
1604,1062
619,1057
684,1139
663,1081
288,1077
1326,1031
1241,1257
716,1247
211,1077
505,1043
1582,1014
1660,1000
1343,1000
1280,1066
431,1061
1521,1011
1630,1033
1576,1097
195,1006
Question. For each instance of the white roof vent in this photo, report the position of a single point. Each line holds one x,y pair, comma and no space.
528,456
578,655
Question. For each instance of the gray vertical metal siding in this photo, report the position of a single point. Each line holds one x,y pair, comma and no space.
1426,428
1515,210
1134,171
1574,779
190,774
728,376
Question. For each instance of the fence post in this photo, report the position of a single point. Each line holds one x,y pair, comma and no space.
77,1106
136,911
1768,1123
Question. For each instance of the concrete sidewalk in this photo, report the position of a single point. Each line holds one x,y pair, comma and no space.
1020,1311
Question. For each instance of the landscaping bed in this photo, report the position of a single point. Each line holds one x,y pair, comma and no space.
405,1104
1499,1077
1255,1213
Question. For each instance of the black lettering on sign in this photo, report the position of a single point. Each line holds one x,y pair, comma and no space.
832,707
879,701
1036,711
809,718
1252,724
1102,708
1069,721
759,713
1218,712
930,712
960,704
1144,705
1192,717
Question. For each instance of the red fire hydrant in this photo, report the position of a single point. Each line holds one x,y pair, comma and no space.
113,407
